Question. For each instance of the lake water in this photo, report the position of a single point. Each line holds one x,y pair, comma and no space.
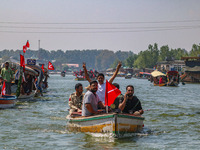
172,117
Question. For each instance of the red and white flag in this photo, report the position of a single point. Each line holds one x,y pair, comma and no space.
24,48
3,91
27,44
111,93
22,62
50,66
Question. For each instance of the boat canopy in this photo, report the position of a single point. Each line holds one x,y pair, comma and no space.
172,73
157,73
28,70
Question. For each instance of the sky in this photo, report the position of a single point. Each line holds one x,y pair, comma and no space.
126,25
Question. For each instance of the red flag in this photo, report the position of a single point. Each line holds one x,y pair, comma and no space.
50,66
42,67
27,44
24,48
22,62
3,91
111,93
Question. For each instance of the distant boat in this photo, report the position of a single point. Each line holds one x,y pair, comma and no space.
128,76
173,78
63,74
81,78
7,101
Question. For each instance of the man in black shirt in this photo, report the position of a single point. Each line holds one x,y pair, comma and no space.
130,104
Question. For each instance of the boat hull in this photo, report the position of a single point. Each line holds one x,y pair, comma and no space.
162,84
7,101
117,124
80,79
25,96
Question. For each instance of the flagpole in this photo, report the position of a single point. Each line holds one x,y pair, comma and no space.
106,98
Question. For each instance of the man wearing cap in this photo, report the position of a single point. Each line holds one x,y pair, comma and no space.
91,101
7,76
76,99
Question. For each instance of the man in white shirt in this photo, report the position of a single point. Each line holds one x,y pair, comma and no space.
100,78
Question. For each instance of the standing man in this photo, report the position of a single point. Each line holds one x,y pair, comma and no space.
76,99
91,101
100,79
7,76
131,104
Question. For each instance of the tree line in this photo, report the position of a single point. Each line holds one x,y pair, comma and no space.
104,59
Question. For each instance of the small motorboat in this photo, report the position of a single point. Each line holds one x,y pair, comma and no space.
8,101
117,124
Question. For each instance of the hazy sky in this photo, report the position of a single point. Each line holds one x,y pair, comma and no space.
99,24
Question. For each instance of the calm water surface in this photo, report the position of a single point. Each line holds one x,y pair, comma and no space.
172,117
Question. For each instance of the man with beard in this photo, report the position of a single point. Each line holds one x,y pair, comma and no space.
7,76
130,104
91,101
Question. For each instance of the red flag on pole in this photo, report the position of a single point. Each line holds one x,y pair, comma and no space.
3,91
42,67
50,66
22,62
111,93
24,48
27,44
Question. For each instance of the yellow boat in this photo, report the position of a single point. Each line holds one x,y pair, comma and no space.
117,124
80,79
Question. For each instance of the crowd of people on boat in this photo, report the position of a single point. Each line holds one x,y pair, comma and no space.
93,101
91,73
28,84
169,79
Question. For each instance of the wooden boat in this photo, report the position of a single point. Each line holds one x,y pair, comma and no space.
116,124
7,101
26,88
80,79
162,84
173,78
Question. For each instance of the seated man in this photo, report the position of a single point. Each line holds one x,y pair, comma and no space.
131,104
119,98
76,99
91,100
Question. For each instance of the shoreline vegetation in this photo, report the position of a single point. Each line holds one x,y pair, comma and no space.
104,59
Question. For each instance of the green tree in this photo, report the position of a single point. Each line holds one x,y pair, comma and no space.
195,50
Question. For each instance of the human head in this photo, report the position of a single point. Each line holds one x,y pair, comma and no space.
116,85
79,88
93,86
130,90
6,64
100,78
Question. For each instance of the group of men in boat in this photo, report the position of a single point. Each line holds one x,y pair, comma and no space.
93,101
7,76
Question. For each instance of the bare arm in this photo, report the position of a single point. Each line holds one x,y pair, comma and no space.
101,105
123,104
86,74
116,72
90,109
